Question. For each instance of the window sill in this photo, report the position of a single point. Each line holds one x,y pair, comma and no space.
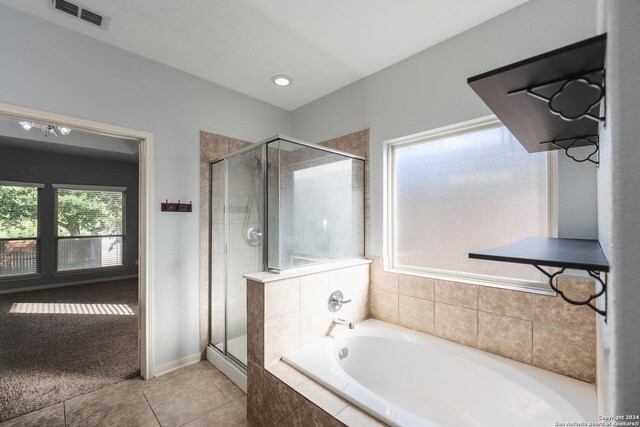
89,270
487,281
20,277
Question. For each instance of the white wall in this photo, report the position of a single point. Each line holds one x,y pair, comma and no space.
429,90
618,202
46,67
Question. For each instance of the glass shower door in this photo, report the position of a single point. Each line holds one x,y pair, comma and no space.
239,218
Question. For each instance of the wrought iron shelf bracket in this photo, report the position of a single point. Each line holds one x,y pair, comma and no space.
590,300
583,83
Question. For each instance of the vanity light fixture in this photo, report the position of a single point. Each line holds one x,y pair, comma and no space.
281,80
46,128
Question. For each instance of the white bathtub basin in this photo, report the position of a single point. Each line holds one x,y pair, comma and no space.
407,378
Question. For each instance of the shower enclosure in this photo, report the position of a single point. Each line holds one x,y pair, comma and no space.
277,205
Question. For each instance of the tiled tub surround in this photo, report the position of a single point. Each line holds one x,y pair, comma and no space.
284,315
408,378
540,330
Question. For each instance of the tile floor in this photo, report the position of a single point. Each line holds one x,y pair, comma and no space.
194,396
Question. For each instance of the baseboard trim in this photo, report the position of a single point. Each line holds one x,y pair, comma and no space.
177,364
61,285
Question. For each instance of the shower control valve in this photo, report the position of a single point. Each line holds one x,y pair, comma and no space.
336,300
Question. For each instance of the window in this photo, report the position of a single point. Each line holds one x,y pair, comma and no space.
19,229
89,227
466,188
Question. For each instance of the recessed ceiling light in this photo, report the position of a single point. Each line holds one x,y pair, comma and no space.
281,80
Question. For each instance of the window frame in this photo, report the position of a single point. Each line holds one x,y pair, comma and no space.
38,274
57,238
389,203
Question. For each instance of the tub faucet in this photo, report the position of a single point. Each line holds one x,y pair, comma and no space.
347,323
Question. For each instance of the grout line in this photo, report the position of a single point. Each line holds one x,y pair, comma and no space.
150,407
64,411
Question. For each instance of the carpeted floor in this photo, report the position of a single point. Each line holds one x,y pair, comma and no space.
50,352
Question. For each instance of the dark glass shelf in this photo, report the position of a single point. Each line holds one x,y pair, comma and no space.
551,252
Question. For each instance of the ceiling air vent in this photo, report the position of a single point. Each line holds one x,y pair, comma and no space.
66,7
91,17
79,12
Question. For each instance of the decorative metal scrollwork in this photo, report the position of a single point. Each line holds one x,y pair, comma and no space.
584,87
582,141
589,301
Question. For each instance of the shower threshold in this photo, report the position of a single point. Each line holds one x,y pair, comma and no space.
236,347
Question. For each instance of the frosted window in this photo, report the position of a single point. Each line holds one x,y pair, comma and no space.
463,193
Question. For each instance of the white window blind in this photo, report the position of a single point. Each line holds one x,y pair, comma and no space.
19,229
89,228
466,191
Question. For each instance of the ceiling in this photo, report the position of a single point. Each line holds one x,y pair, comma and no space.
77,142
241,44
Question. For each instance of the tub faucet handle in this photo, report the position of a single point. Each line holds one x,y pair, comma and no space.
336,300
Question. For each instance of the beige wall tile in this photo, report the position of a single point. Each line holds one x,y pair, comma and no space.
287,374
459,294
217,328
315,323
416,314
255,340
281,335
505,302
565,351
505,336
281,297
255,299
321,397
384,306
382,280
360,306
350,280
270,401
336,144
414,286
355,417
553,310
310,416
457,324
314,289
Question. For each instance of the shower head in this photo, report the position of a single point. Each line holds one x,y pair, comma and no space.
259,162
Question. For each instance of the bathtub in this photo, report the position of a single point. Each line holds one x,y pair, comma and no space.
407,378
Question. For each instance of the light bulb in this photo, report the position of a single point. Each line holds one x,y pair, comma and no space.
64,130
26,125
281,80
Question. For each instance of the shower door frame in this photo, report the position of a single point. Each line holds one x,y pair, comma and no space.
263,145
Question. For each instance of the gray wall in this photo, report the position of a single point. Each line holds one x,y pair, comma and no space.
429,90
54,69
618,202
53,168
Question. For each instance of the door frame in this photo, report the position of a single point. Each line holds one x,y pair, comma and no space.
145,216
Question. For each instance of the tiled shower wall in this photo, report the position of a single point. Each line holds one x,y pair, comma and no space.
540,330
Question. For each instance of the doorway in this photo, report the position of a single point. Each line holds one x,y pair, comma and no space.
76,251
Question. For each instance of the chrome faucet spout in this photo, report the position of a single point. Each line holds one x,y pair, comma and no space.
344,322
